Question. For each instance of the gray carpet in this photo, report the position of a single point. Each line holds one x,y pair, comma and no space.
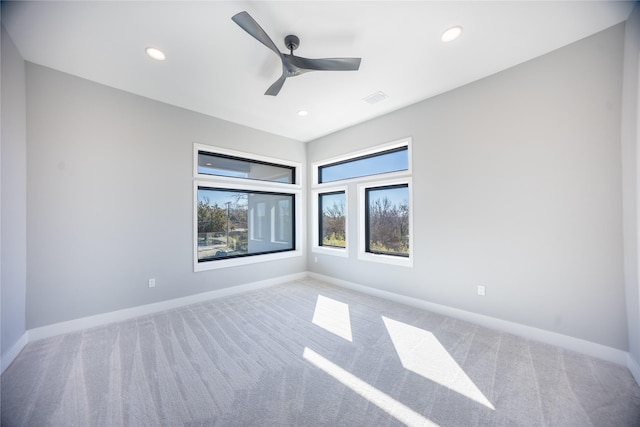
309,354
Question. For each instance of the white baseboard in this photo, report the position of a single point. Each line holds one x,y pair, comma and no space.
13,352
142,310
634,368
575,344
570,343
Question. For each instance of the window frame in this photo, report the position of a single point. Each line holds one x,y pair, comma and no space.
369,152
363,254
330,250
402,148
250,185
291,169
255,158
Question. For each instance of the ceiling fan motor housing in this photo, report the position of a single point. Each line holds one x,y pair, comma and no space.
292,42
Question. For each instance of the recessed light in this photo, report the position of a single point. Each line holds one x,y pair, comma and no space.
156,54
451,34
303,113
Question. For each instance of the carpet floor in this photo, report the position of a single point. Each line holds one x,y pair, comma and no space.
309,354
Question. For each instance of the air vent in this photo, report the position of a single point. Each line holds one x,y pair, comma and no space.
374,98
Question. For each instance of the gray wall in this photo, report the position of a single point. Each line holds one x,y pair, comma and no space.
14,194
630,184
516,185
110,198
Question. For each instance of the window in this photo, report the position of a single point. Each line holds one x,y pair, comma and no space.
380,162
330,224
332,220
382,175
246,208
230,166
387,220
235,223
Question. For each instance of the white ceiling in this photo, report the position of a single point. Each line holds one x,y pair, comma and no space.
214,67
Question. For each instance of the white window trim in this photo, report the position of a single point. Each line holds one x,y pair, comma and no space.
249,156
404,142
232,183
341,252
382,258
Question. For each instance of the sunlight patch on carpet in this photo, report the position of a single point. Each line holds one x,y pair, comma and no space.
421,352
333,316
396,409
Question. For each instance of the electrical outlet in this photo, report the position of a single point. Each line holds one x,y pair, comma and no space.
315,259
481,290
152,283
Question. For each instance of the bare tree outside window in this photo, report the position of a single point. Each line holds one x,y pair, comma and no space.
387,220
332,223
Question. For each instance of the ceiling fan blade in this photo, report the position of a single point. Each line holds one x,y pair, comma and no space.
276,86
324,64
247,23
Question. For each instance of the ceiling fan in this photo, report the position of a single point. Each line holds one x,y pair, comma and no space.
292,65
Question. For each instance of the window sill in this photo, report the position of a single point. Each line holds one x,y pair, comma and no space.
234,262
341,252
386,259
